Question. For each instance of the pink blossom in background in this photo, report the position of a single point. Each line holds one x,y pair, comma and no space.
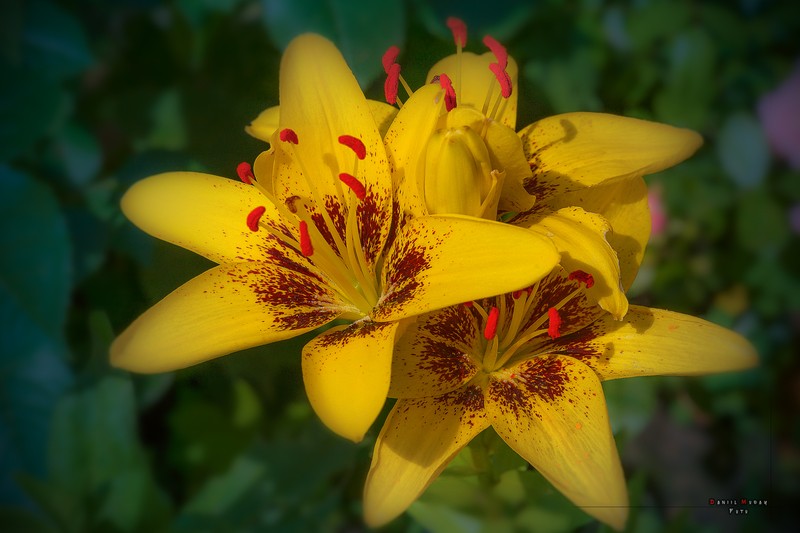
779,112
658,215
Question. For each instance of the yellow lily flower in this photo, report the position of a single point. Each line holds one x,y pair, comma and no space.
555,176
310,238
530,364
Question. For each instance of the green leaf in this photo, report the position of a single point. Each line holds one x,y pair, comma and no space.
743,150
79,152
631,403
569,83
441,519
761,223
54,42
686,98
34,287
29,108
22,521
362,30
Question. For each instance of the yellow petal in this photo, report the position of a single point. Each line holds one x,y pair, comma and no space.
580,238
438,261
320,101
405,144
475,82
225,309
383,113
205,214
623,203
433,356
265,124
552,412
505,147
417,441
655,342
574,150
346,371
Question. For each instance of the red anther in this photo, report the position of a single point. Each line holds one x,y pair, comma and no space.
305,240
355,144
449,92
389,58
391,84
459,30
529,290
491,324
497,49
245,172
502,77
516,294
288,135
554,328
468,304
254,217
355,185
584,277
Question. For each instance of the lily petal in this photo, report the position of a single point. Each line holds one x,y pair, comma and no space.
346,372
432,357
654,342
207,215
475,82
225,309
417,441
414,124
623,203
580,238
552,412
321,101
505,147
438,261
264,126
575,150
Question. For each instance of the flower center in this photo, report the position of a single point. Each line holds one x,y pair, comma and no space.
509,324
330,240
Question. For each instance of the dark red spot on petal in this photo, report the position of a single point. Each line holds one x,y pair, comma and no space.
503,78
491,324
390,57
289,135
305,240
355,144
459,30
356,186
449,93
245,172
584,277
254,217
554,326
497,49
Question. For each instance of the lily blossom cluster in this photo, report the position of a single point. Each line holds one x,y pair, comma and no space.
476,273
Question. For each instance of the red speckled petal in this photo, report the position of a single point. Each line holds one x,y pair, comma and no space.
207,215
581,239
227,308
654,342
435,355
320,100
552,411
417,441
438,261
346,371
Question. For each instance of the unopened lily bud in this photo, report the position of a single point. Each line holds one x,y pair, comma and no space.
457,176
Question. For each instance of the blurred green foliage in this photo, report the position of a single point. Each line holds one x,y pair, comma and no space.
96,95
